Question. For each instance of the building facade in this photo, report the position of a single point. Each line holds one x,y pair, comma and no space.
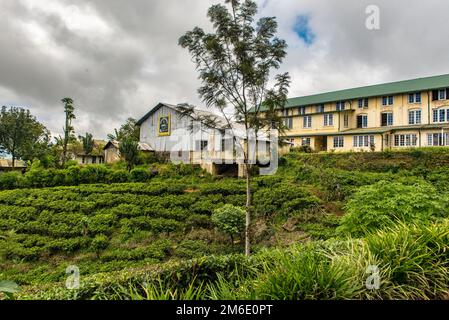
185,139
404,114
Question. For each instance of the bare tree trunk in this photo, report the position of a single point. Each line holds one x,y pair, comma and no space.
248,211
13,161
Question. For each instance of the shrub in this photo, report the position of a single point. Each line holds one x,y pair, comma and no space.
198,221
140,175
10,180
230,220
384,204
119,176
189,249
99,243
283,198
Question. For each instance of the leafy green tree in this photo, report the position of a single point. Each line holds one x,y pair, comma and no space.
88,142
235,64
128,130
129,149
229,219
21,135
68,128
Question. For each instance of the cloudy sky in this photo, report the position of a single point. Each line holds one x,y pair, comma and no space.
117,58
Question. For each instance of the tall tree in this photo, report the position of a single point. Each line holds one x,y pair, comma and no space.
129,149
88,142
68,128
21,135
128,130
234,64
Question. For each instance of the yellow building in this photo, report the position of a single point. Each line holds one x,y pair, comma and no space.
404,114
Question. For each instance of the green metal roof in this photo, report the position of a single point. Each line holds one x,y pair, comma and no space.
420,84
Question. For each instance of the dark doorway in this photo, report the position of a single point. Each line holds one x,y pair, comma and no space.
321,143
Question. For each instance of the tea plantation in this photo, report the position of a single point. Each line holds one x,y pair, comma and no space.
318,223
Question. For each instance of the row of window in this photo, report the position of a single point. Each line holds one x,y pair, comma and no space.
405,140
414,117
358,141
441,94
399,140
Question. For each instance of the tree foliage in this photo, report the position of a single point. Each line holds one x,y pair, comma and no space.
21,135
68,128
88,142
129,149
229,219
129,130
234,64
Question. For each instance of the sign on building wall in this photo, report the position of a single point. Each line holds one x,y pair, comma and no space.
164,126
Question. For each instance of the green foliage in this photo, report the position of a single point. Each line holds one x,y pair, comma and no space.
22,136
129,130
10,180
129,150
140,175
69,131
385,204
229,219
9,288
283,198
99,243
88,142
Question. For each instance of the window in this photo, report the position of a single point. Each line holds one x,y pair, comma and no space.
307,122
438,139
201,145
405,140
339,142
320,108
340,105
362,121
363,103
387,101
288,123
441,115
305,141
83,160
363,141
442,94
346,120
414,97
387,119
302,110
414,117
94,159
328,119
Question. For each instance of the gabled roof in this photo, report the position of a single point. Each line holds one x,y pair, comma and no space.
219,120
391,88
142,146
